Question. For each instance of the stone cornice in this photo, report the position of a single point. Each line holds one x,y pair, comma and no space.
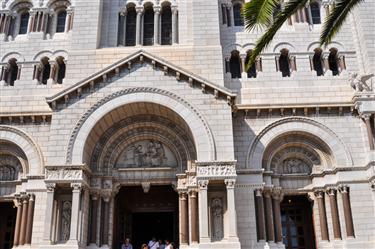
293,109
88,84
25,117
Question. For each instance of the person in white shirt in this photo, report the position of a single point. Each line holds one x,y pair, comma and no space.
126,244
153,244
167,244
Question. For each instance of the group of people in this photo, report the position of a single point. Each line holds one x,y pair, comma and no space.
152,244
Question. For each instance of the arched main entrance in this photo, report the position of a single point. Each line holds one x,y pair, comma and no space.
135,153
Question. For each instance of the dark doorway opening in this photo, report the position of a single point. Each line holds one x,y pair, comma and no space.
140,216
148,225
7,224
297,223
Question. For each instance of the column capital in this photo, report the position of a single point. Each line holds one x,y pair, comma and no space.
267,192
344,189
277,193
331,191
258,192
106,195
51,187
366,116
95,194
76,186
203,184
124,12
230,183
174,9
183,195
139,9
157,9
319,193
193,193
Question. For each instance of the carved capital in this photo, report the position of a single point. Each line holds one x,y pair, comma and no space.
277,193
146,187
157,9
344,189
258,192
183,196
76,186
366,116
230,183
319,194
331,191
51,187
193,193
106,195
203,184
139,10
95,195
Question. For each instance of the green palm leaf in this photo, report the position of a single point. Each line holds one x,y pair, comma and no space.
290,8
336,18
258,13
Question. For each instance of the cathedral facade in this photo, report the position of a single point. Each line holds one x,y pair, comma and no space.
137,119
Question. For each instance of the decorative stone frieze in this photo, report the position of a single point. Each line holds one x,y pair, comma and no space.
216,170
72,173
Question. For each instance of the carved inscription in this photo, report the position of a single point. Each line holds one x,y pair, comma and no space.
64,174
216,171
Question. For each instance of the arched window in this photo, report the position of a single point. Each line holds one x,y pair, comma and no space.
10,72
333,61
61,68
46,70
315,12
61,19
317,62
148,26
24,22
284,65
252,71
166,26
131,19
238,21
120,32
235,64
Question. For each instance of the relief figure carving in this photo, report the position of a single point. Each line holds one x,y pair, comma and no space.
217,219
295,166
65,220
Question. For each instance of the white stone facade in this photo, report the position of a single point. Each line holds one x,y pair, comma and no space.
86,84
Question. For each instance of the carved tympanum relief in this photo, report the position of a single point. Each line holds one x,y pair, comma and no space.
146,153
295,166
217,219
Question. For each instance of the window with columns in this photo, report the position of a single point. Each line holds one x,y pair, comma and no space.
285,63
237,16
47,71
24,21
315,12
10,72
61,21
317,62
335,62
148,25
235,64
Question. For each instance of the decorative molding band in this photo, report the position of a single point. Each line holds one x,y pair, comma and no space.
216,170
25,118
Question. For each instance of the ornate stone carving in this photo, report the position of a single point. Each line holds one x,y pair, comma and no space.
146,186
358,82
8,173
64,174
51,187
216,171
203,184
65,220
295,166
147,153
217,219
107,184
76,186
230,183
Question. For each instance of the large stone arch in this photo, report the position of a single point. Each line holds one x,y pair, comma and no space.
29,147
202,135
339,153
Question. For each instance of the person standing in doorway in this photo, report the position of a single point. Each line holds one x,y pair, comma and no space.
167,244
126,244
153,244
161,244
144,246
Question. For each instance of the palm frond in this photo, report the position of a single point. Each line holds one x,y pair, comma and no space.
336,18
290,8
258,13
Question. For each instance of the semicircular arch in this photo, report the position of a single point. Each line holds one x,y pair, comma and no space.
202,135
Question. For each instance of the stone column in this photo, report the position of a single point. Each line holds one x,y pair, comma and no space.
322,214
76,198
94,220
231,206
67,21
124,13
30,219
18,222
370,135
30,25
184,219
268,215
156,24
193,199
174,24
98,222
276,199
25,205
106,221
344,190
203,212
243,66
334,213
49,211
138,26
260,214
230,7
